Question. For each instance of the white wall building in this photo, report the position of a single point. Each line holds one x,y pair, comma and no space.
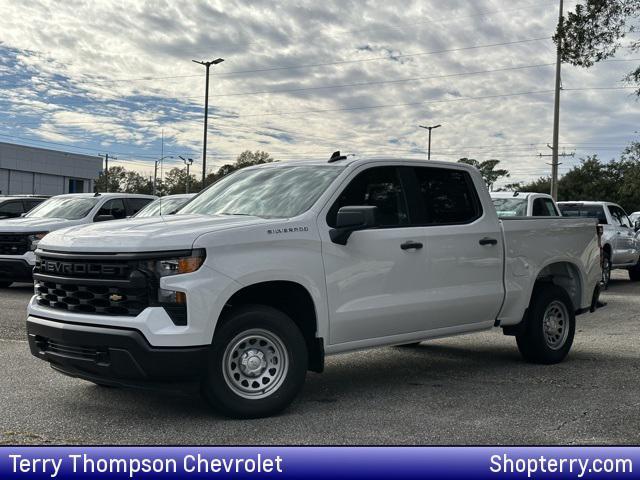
32,170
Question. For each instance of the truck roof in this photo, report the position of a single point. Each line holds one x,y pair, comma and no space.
517,194
110,194
352,161
585,202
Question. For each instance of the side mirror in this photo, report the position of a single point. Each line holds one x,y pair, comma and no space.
103,218
636,225
23,214
352,219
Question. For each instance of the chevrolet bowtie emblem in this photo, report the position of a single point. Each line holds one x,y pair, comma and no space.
114,297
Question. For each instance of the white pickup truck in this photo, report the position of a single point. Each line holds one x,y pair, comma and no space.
274,267
19,237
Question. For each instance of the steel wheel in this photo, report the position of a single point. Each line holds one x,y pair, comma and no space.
555,325
255,363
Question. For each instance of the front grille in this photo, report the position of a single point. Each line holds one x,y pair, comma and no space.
13,244
95,354
98,299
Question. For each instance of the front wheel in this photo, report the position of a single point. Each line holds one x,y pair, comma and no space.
257,363
550,325
634,273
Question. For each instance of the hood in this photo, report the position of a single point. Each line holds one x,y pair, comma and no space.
146,234
25,224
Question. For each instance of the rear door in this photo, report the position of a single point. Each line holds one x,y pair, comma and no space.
464,249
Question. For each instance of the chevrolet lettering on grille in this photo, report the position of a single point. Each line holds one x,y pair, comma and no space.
75,268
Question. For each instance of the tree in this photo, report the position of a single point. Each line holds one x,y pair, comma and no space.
245,159
487,170
175,181
594,30
121,180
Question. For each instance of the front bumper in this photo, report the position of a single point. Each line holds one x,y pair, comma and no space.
112,356
15,270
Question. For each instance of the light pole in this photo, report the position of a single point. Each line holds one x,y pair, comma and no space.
429,128
206,114
188,162
155,172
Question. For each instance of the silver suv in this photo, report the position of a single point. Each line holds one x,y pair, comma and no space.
620,244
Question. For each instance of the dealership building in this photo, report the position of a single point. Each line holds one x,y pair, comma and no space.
32,170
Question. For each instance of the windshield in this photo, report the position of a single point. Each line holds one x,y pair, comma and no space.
279,192
69,208
511,207
162,206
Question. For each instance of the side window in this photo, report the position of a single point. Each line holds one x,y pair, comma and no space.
114,207
448,196
136,204
11,209
29,204
380,187
619,216
543,207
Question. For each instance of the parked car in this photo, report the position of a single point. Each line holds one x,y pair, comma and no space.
620,246
13,206
524,204
276,266
167,205
635,218
19,237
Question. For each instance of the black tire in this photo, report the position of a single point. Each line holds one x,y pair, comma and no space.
5,284
536,340
634,273
286,354
606,269
409,345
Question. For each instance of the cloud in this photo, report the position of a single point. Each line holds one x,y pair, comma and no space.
115,75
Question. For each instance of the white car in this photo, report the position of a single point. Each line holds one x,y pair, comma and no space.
524,204
620,245
167,205
276,266
19,237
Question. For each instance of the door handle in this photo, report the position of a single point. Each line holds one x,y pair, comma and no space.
411,245
488,241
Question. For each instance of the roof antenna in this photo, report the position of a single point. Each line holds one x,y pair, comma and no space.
336,157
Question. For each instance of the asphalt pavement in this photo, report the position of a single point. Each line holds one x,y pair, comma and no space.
471,389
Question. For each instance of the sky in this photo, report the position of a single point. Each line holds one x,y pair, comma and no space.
303,79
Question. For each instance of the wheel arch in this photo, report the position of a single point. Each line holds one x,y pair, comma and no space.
291,298
566,275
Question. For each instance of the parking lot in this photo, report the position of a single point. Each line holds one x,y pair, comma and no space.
471,389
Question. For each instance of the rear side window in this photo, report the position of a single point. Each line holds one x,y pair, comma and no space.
380,187
114,207
584,211
136,204
446,196
543,207
10,209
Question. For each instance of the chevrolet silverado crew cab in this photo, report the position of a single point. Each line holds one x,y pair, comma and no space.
19,237
274,267
620,243
524,204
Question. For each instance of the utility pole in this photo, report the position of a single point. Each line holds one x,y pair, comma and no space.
429,128
155,171
556,110
106,169
206,114
188,162
554,162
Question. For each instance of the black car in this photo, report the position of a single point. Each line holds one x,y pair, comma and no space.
13,206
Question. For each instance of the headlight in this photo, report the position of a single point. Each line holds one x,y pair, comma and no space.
34,239
165,267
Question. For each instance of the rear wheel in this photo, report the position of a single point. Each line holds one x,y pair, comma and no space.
550,325
257,363
606,270
5,284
